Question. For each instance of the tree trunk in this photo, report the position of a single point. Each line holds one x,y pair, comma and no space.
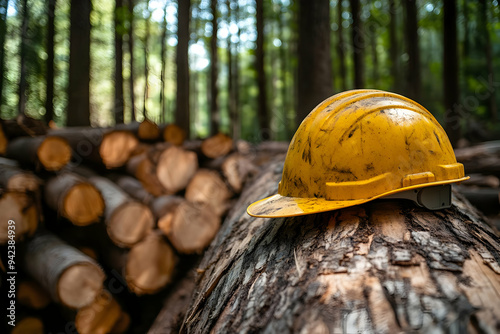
262,108
4,4
71,277
214,72
119,30
485,36
386,266
23,54
450,66
182,61
131,52
393,45
413,76
483,158
231,102
78,112
163,58
146,62
49,79
3,139
358,44
315,65
340,46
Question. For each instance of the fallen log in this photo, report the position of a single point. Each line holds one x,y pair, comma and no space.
127,220
71,278
74,198
13,178
108,147
188,226
485,199
386,266
236,168
489,181
133,188
146,130
208,188
28,324
48,152
20,210
483,158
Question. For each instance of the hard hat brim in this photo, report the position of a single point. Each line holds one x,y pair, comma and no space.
283,206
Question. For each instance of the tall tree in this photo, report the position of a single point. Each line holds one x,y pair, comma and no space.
214,72
484,36
393,45
262,110
131,38
4,4
413,77
146,63
450,66
119,30
340,46
182,61
315,66
236,72
23,83
49,77
163,58
231,102
358,44
79,64
283,56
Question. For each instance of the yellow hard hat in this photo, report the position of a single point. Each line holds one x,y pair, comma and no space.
360,145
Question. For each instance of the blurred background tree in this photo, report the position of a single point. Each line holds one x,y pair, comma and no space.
250,68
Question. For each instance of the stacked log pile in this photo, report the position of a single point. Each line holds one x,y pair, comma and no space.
107,218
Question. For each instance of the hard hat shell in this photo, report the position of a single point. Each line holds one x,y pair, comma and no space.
357,146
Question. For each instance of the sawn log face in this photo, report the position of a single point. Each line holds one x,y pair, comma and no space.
387,266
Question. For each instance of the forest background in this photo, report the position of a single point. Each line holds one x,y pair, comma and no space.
249,68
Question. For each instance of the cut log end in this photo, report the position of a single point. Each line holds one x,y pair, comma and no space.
32,295
174,134
116,148
23,182
144,170
80,284
217,146
150,265
100,316
21,209
130,223
175,167
190,227
208,188
148,130
54,153
31,325
83,204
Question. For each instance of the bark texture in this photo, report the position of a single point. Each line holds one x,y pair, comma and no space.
386,266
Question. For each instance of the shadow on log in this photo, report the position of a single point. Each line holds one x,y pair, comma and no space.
387,266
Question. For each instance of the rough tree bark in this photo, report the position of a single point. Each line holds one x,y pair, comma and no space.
386,266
